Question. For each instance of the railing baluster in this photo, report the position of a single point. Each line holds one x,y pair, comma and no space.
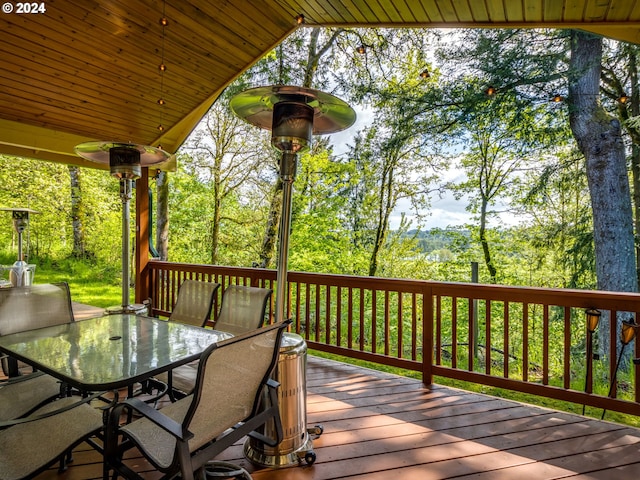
339,316
374,323
362,331
350,319
471,335
525,342
414,326
454,332
438,333
567,347
487,329
506,340
545,345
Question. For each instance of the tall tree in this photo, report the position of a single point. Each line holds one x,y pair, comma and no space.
77,213
162,215
598,136
620,85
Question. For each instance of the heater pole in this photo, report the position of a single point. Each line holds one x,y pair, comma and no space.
287,175
125,195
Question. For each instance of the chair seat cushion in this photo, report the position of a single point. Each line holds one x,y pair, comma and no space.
156,442
26,447
20,397
160,445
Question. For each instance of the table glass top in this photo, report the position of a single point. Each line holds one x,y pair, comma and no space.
110,351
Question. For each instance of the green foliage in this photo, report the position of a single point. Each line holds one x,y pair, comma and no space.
45,187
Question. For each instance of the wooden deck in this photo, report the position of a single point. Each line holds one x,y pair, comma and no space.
381,427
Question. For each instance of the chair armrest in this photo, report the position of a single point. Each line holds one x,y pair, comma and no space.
153,415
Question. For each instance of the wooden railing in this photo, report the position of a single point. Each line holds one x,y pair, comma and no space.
530,340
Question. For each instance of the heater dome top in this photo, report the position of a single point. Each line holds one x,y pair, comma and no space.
16,209
99,152
330,114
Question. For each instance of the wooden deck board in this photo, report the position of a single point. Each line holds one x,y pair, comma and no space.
379,426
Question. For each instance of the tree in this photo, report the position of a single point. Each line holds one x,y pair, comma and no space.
598,136
162,215
501,120
77,213
620,85
555,197
226,154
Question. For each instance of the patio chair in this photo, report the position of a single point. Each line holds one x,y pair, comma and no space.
193,307
194,302
28,308
20,396
242,310
227,403
30,445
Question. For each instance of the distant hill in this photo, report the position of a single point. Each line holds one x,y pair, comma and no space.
437,239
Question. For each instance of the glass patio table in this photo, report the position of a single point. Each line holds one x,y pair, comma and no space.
110,352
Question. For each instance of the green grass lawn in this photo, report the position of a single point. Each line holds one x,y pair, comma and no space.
90,284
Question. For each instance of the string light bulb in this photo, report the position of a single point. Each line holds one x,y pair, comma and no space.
490,91
557,98
623,99
361,49
300,19
425,73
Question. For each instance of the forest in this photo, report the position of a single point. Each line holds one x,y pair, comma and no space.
491,117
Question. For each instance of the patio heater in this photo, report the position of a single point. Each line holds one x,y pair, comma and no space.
292,114
125,161
20,273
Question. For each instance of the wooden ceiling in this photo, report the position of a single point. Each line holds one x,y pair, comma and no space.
88,70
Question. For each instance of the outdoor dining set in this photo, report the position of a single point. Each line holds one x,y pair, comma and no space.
99,380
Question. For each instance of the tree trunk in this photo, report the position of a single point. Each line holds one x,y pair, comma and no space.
162,215
635,152
598,136
485,243
215,223
79,250
269,240
385,206
635,170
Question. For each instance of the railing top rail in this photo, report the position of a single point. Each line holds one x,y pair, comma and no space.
623,301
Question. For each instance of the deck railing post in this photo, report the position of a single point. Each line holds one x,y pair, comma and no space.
427,334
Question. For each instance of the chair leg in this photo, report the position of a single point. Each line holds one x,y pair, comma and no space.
65,459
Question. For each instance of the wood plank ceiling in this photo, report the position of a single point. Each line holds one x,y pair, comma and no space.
86,70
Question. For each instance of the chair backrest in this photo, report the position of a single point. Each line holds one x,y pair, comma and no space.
230,381
34,306
194,302
243,309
